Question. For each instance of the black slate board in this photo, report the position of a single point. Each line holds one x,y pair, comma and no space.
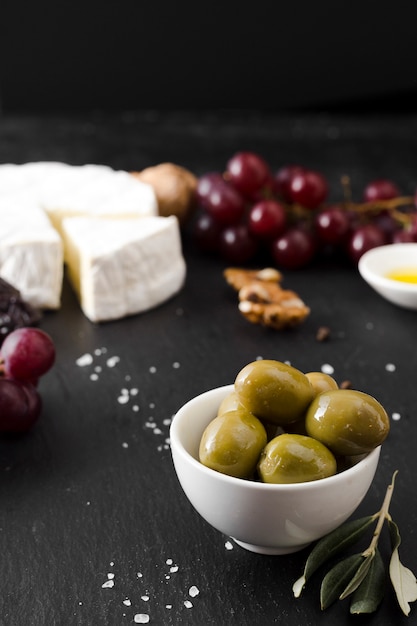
94,527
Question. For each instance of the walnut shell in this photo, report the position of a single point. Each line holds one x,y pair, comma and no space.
174,188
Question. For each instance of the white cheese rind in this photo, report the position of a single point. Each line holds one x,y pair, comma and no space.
96,191
123,267
31,254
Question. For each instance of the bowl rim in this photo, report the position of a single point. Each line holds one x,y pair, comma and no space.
373,277
177,447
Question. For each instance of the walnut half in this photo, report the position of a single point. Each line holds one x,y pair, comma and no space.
262,299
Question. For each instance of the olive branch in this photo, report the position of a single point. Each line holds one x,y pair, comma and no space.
362,575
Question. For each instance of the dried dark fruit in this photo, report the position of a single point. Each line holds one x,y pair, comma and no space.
14,311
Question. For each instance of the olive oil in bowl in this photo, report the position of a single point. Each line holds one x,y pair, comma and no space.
404,275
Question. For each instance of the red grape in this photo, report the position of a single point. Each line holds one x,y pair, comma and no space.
205,185
365,238
206,233
27,354
248,172
332,225
308,188
267,219
19,406
413,227
387,224
403,236
237,245
381,189
225,204
294,249
283,180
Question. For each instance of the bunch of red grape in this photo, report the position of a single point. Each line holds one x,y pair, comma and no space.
25,355
248,210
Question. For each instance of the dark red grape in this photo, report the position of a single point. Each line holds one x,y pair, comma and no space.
19,406
267,219
205,185
248,172
308,188
225,204
413,227
365,238
381,189
283,180
332,225
387,224
403,236
206,233
294,249
27,354
237,245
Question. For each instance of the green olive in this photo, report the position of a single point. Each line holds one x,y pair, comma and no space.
230,403
348,422
291,459
232,442
274,391
321,382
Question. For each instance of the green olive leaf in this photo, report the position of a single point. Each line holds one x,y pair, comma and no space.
402,578
330,546
359,576
337,579
368,596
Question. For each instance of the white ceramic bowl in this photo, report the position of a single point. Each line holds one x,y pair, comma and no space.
375,264
263,518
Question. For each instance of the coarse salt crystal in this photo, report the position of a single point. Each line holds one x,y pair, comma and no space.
141,618
326,368
193,591
108,584
396,417
173,569
145,598
228,545
188,604
127,602
112,361
390,367
85,359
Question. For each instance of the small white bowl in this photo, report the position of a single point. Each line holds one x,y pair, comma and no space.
263,518
375,264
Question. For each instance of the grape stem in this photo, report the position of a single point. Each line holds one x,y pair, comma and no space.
392,204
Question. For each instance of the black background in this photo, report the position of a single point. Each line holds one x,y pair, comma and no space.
130,54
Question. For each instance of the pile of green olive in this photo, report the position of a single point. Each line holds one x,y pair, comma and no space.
279,425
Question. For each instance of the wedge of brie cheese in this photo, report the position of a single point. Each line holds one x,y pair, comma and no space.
122,267
31,254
